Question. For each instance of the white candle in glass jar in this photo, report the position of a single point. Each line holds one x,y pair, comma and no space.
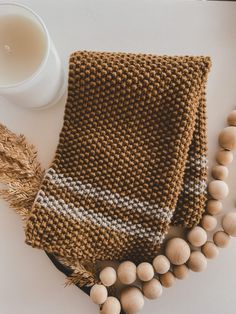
31,73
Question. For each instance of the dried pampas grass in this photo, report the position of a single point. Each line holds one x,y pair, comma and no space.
20,172
80,275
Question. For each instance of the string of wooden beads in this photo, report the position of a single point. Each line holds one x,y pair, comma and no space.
177,251
229,224
181,271
111,305
221,239
108,276
126,273
145,271
214,207
167,280
197,261
209,222
152,289
224,157
147,279
132,300
197,236
161,264
210,250
98,294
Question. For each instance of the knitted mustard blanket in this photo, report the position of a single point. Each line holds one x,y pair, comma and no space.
131,158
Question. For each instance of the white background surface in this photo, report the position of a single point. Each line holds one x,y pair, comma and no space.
29,283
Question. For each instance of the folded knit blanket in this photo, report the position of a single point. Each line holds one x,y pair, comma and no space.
131,159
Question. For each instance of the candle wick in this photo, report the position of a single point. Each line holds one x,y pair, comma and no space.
7,49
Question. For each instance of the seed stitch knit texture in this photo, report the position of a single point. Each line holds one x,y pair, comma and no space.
131,159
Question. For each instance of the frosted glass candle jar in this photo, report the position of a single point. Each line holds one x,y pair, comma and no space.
31,74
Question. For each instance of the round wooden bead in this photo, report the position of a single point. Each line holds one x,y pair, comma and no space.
208,222
108,276
197,262
214,207
224,157
161,264
210,250
197,236
152,289
178,251
218,189
219,172
221,239
145,271
132,300
181,271
111,306
167,280
126,272
229,223
98,294
232,118
227,138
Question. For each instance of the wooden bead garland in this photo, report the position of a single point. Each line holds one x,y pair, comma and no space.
178,251
229,224
145,271
197,236
208,222
232,118
227,138
108,276
161,264
152,289
219,172
218,189
181,271
214,207
132,300
224,157
167,279
98,294
111,306
210,250
127,272
197,261
221,239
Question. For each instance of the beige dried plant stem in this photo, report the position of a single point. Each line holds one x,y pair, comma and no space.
20,171
85,277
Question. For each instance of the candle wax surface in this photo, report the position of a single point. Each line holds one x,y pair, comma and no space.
22,48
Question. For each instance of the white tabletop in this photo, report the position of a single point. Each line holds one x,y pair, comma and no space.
30,284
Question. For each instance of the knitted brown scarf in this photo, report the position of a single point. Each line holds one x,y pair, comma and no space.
131,159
